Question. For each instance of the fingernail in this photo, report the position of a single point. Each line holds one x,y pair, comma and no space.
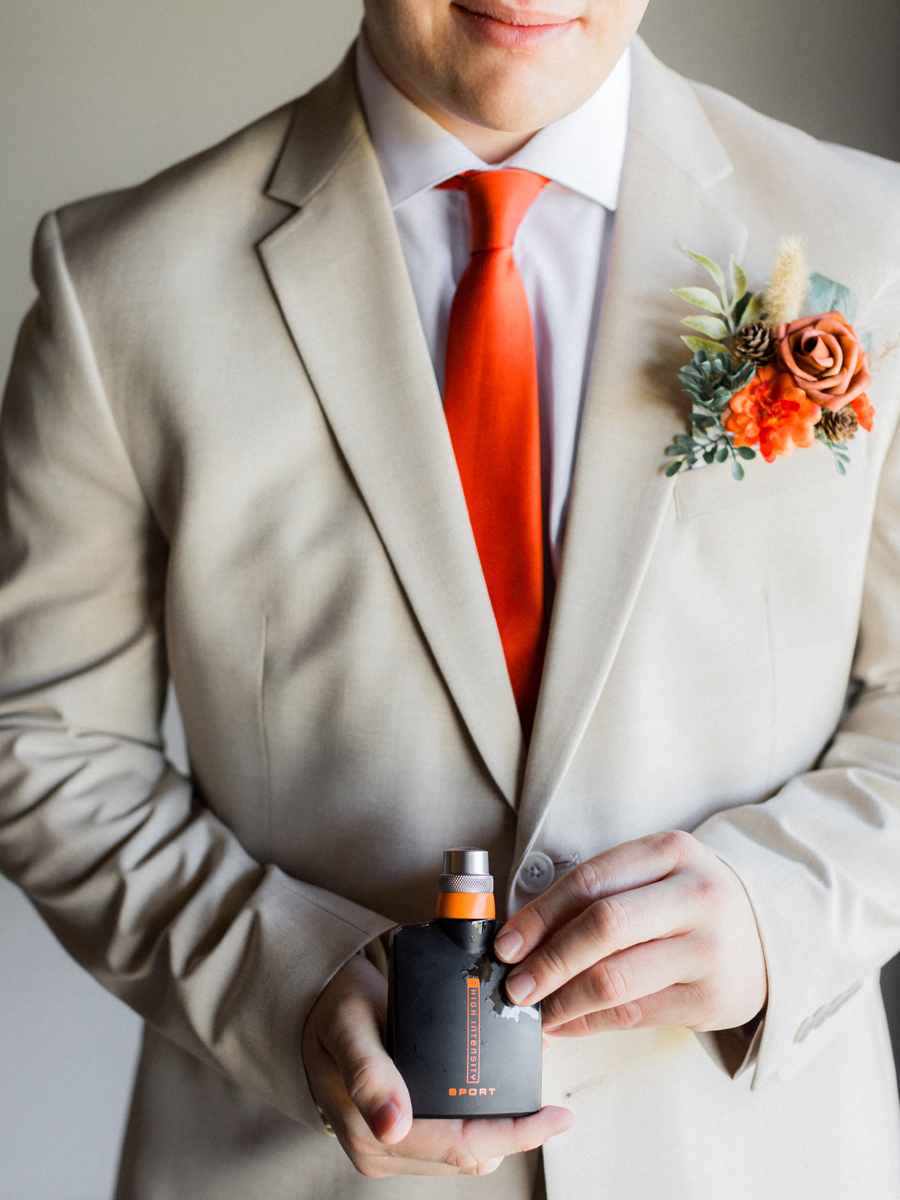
386,1118
519,987
551,1028
508,944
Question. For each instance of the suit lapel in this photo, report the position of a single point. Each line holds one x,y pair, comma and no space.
632,411
338,272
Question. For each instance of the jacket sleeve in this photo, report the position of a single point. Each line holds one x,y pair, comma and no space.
820,860
137,878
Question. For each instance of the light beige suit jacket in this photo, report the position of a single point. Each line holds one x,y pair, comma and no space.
225,458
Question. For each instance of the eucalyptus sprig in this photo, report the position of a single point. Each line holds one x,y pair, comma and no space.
710,379
733,307
841,456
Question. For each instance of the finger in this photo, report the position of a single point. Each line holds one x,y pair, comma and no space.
468,1145
372,1081
342,1115
659,910
631,865
621,978
682,1005
371,1157
490,1166
515,1135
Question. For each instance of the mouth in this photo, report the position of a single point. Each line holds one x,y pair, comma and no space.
507,28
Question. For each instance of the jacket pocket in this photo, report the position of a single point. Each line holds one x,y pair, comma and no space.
714,487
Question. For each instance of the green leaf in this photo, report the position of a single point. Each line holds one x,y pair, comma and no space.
745,452
721,454
700,298
712,267
673,468
737,470
709,326
697,344
841,466
709,455
738,281
737,313
754,310
743,376
827,296
711,379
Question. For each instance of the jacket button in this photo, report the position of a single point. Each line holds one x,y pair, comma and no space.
536,873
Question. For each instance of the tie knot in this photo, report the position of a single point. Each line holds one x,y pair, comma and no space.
498,200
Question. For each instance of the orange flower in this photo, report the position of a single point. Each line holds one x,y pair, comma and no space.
864,411
774,413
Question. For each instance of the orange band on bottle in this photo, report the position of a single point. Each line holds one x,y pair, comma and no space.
471,906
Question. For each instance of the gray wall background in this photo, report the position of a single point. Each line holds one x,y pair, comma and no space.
96,94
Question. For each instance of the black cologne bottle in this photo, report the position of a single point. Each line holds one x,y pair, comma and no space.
461,1048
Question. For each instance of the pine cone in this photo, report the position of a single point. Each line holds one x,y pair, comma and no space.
754,343
839,426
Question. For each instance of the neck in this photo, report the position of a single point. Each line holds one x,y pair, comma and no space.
491,145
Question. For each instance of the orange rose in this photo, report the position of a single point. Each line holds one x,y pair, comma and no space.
825,359
774,413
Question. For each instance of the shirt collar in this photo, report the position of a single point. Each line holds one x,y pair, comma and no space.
584,151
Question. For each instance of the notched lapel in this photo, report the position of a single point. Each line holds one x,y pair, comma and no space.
337,269
633,409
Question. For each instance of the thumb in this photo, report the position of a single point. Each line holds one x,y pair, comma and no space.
354,1041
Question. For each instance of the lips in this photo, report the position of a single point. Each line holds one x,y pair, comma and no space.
508,29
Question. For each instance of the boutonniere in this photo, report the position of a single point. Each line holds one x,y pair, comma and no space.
763,375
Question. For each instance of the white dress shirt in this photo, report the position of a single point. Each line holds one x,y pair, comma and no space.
561,248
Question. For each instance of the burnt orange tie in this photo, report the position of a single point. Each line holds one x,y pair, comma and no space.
491,405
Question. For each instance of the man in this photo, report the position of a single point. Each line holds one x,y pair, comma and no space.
226,458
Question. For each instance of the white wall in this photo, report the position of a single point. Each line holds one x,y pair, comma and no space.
66,1054
96,94
828,66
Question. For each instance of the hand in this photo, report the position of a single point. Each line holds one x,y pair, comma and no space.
653,932
366,1102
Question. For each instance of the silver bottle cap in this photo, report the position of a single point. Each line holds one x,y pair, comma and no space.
466,869
466,860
